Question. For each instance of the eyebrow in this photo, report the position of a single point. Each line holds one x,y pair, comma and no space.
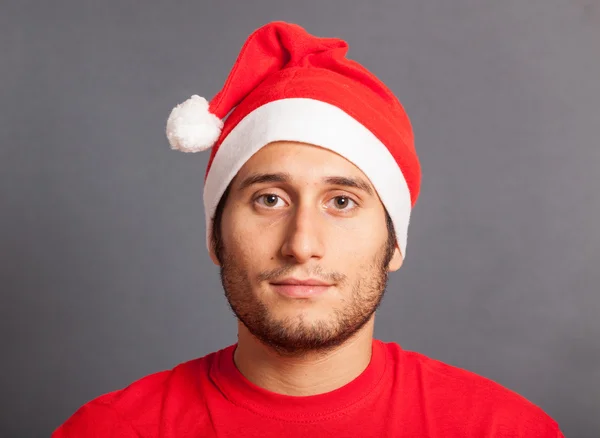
260,178
357,183
282,177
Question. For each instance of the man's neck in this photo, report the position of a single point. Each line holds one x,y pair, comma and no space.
309,374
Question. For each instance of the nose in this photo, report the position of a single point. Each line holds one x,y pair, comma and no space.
303,238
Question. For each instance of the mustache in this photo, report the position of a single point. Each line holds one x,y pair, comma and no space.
315,272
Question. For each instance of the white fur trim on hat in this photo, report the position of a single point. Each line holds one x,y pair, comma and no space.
191,127
320,124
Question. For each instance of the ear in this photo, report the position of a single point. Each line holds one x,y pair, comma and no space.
213,256
396,260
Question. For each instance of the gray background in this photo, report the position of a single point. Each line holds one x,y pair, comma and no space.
103,268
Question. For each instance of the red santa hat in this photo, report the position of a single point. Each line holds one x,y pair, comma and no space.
288,85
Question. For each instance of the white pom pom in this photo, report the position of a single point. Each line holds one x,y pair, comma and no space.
191,127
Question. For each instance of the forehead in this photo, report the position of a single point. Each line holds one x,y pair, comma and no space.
300,160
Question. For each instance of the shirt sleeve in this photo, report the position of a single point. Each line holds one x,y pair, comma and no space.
95,420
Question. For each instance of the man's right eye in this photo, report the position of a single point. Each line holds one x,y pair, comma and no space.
270,200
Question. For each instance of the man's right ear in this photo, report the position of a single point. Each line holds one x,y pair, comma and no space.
213,255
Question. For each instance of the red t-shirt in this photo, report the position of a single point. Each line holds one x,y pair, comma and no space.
400,394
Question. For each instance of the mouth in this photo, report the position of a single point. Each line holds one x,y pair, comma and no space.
297,288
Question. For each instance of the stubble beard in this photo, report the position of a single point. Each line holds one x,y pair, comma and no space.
294,336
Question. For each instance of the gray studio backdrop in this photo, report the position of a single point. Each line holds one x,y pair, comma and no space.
104,273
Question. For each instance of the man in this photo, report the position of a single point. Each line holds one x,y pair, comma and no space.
308,193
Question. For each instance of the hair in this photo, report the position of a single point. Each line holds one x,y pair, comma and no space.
217,241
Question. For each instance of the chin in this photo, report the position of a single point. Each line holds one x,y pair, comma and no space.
306,317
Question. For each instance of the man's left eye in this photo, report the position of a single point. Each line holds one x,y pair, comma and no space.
343,203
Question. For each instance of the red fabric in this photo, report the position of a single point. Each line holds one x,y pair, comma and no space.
400,394
282,60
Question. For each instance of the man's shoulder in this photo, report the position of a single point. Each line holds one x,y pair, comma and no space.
134,409
144,392
471,396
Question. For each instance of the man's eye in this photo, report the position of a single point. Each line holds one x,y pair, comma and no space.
343,203
270,200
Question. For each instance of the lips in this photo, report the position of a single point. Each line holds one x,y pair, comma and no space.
297,288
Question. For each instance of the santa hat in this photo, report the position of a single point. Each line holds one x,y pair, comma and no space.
288,85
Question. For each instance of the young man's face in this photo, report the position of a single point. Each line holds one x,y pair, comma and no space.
291,215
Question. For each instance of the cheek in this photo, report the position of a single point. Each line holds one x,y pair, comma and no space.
247,240
360,237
